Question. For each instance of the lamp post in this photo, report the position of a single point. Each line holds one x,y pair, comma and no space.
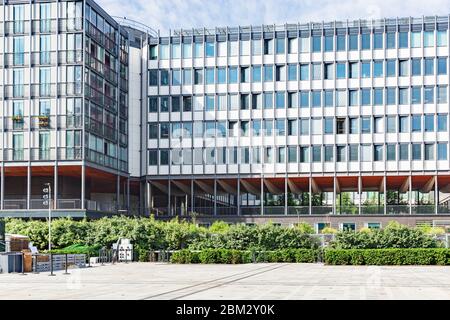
48,200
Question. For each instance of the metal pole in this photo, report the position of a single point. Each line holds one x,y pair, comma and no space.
51,265
35,264
66,266
23,262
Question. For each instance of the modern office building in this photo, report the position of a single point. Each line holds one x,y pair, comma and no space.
341,123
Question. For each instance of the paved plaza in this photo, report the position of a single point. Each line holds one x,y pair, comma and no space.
218,282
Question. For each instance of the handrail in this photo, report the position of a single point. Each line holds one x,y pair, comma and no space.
136,25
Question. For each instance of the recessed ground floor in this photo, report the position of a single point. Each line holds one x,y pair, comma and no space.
151,281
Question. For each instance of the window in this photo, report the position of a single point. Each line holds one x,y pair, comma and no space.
280,127
153,78
304,127
378,152
378,124
304,72
441,92
328,153
403,96
365,125
221,75
403,151
176,51
209,75
316,154
340,70
164,51
428,94
256,47
209,48
176,77
245,74
329,43
198,76
232,75
328,98
353,152
378,69
268,73
304,44
353,126
316,71
316,98
187,50
152,104
353,97
403,68
187,103
416,39
428,66
153,52
352,42
442,123
164,104
365,97
256,73
403,124
304,99
429,123
378,96
377,41
280,43
279,101
390,40
292,72
187,77
366,153
353,70
340,153
365,69
209,103
292,154
416,123
340,126
153,131
442,150
391,96
402,40
152,157
268,100
280,73
429,151
328,125
391,152
390,68
391,124
416,67
316,126
316,43
416,151
292,45
292,127
428,38
268,46
341,98
198,50
340,43
304,154
281,154
365,41
328,71
292,100
442,66
256,101
164,130
442,38
416,95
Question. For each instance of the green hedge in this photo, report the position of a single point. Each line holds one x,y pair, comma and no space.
437,256
230,256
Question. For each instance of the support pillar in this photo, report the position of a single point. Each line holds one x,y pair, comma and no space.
29,187
118,192
169,198
128,194
436,195
192,196
215,197
239,197
2,186
262,196
385,195
359,194
334,195
55,187
286,196
310,196
83,187
410,195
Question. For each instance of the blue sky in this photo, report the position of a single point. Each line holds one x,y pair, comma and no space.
176,14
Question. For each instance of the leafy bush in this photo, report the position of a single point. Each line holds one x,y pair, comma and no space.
437,256
393,236
229,256
328,230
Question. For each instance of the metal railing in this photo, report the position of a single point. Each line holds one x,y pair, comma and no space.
14,204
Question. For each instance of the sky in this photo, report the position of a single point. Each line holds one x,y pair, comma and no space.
176,14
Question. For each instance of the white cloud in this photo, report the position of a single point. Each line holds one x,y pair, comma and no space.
176,14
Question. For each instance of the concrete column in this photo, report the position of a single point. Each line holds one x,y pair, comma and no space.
2,186
286,195
410,195
83,186
215,197
128,194
436,195
192,196
262,196
359,194
334,195
310,195
239,197
29,187
385,195
55,187
169,198
118,192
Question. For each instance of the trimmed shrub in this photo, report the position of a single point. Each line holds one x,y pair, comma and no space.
420,256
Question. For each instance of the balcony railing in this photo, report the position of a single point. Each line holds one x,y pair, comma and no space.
250,210
11,154
70,153
43,154
15,123
20,59
69,121
321,209
43,58
70,24
70,89
298,210
17,91
17,27
43,26
43,90
275,211
14,204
